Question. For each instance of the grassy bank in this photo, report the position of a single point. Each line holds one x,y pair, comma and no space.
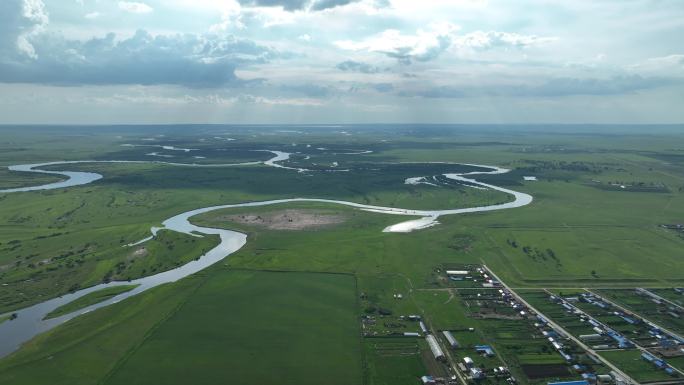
89,299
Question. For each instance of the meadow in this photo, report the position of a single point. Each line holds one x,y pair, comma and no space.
246,327
90,299
582,230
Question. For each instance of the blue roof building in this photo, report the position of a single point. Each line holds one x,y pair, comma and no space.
580,382
621,341
591,377
485,349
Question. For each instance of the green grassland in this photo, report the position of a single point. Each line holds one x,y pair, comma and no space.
90,299
580,231
224,324
256,327
66,260
10,179
676,362
85,349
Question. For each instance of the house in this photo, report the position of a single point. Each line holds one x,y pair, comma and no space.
423,328
434,347
450,338
476,373
460,273
485,349
590,337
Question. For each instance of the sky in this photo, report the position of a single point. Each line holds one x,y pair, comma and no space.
341,61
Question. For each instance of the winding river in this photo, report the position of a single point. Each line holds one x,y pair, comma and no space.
30,322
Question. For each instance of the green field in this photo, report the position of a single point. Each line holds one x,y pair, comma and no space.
88,347
90,299
228,324
393,361
254,327
234,322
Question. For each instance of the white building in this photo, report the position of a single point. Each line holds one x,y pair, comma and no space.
434,347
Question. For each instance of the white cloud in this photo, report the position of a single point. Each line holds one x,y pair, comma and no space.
297,102
231,14
491,39
134,7
20,20
353,51
423,46
146,98
671,64
193,60
428,44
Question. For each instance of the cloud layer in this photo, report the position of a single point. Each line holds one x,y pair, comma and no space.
298,5
134,7
194,60
19,20
428,44
191,60
555,87
335,60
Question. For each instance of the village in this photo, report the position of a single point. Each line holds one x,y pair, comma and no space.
559,343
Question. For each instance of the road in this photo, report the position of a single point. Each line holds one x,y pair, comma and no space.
452,363
643,350
562,330
654,295
628,311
